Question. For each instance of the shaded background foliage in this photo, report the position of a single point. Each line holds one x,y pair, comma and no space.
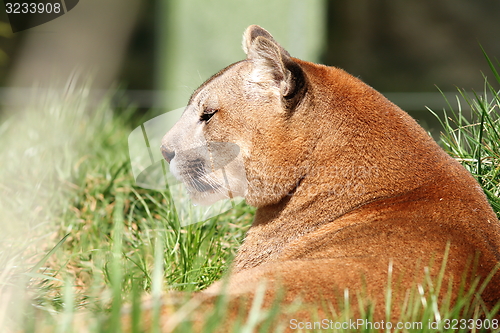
415,44
395,46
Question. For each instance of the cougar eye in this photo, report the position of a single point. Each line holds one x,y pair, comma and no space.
207,114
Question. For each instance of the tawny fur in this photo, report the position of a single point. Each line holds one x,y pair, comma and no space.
345,182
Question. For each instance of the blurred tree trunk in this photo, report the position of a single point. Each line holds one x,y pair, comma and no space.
199,37
91,39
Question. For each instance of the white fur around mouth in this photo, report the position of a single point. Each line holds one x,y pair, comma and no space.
199,185
175,170
194,184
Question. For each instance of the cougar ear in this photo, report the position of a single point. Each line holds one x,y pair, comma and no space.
272,63
251,33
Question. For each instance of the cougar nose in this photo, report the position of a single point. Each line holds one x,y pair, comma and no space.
168,154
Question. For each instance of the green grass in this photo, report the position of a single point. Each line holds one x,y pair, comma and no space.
81,242
473,138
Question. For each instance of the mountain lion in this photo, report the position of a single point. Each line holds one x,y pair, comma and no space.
347,185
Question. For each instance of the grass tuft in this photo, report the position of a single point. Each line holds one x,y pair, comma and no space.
473,138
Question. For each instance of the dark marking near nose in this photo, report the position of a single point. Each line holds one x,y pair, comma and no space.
168,154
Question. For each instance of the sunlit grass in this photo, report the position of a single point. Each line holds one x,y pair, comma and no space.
473,138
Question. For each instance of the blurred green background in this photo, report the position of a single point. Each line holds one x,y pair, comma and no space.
159,51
